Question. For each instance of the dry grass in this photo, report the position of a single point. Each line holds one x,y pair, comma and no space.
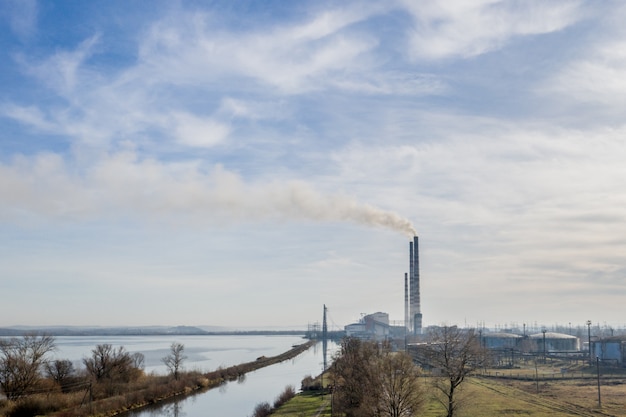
558,398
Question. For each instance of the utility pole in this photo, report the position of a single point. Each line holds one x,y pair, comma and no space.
598,371
589,339
324,340
536,376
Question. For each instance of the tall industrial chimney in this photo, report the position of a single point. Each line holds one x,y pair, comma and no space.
415,318
406,302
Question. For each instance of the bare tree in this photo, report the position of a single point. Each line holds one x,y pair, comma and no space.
21,361
138,360
373,381
174,361
455,354
400,392
109,364
59,370
356,385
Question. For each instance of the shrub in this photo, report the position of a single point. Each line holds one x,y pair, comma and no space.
203,382
262,410
288,393
34,405
26,409
310,384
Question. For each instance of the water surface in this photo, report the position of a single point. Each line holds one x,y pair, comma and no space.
206,353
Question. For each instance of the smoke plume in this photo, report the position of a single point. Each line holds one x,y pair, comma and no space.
300,200
121,185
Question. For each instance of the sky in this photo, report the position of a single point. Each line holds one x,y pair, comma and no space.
242,163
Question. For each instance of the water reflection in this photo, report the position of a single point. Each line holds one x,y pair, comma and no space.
173,410
238,398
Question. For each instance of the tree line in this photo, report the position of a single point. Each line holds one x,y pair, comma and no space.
371,380
367,379
26,371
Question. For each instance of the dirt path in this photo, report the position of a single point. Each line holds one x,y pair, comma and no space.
322,408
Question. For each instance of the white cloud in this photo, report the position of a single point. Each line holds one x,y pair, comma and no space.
185,58
22,16
198,131
498,203
248,109
292,59
464,28
60,71
29,115
393,82
513,201
598,78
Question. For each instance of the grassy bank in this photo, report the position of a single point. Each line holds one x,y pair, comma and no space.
488,397
306,404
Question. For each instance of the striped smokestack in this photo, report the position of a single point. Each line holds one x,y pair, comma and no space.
406,302
415,314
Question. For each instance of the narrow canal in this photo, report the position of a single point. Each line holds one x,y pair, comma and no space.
238,398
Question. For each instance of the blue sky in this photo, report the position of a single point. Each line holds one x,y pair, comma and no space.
243,163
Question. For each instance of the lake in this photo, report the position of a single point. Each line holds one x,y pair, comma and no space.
206,353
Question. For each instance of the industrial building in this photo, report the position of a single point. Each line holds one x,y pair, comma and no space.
376,326
538,342
501,340
554,342
610,350
371,327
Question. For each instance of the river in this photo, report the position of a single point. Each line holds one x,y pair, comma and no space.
206,353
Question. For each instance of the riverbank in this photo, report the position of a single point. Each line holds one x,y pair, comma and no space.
232,373
220,376
156,389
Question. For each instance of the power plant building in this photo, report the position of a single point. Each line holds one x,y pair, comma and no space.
371,327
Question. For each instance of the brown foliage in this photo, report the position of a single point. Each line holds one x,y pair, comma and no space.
288,393
21,360
263,409
370,380
112,365
118,384
355,383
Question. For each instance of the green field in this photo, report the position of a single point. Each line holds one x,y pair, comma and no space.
486,397
306,404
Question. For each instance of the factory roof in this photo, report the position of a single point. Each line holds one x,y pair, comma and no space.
552,335
620,338
502,335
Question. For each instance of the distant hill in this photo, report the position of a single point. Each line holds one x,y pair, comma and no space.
136,331
103,331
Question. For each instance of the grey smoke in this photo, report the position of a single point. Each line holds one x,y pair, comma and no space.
299,200
120,184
